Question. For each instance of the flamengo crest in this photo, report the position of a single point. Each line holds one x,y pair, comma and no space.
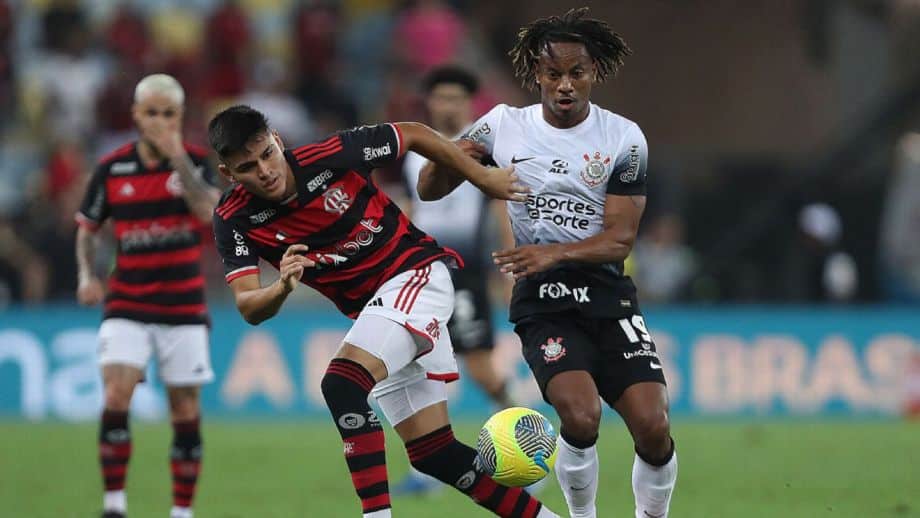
595,171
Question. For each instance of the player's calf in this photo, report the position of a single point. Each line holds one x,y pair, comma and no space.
440,455
114,454
346,386
185,465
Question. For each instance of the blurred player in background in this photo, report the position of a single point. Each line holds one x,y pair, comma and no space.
158,193
314,213
576,312
461,222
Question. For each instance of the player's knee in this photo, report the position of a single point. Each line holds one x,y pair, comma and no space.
183,403
579,419
652,429
118,397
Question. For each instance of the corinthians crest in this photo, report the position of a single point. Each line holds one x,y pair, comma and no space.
553,350
595,171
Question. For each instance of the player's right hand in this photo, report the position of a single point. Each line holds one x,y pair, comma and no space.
502,183
90,291
292,265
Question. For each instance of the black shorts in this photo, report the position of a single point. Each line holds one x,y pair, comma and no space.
618,352
470,326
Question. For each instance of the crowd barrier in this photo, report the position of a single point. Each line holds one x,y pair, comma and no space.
719,361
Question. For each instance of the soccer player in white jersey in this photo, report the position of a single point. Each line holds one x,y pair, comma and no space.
583,334
459,221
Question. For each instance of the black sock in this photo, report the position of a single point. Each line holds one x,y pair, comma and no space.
440,455
114,448
185,461
346,386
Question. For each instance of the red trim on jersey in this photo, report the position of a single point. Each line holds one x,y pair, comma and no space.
139,290
140,188
319,153
180,309
241,272
447,377
159,259
196,149
118,152
86,222
400,148
309,148
236,200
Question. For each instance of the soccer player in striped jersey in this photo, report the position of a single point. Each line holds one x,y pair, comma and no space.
314,213
158,193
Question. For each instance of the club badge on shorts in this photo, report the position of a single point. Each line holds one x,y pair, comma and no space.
595,171
553,350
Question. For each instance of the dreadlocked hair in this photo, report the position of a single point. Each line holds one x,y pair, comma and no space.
606,48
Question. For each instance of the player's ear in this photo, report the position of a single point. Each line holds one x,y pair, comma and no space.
225,172
277,138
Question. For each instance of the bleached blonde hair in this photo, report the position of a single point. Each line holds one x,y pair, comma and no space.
162,84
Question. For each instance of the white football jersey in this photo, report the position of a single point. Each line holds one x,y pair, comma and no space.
569,171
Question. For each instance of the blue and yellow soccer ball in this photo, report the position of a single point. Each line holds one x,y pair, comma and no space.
517,447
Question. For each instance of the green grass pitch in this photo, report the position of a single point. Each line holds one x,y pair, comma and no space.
295,469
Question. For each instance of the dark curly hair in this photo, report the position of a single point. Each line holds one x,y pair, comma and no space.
606,48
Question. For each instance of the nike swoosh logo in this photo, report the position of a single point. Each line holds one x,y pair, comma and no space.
650,515
654,365
515,160
573,488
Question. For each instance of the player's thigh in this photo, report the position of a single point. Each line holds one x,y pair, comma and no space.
415,409
470,326
381,345
554,343
124,342
628,357
183,354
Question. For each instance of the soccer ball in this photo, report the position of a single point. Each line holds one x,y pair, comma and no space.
517,447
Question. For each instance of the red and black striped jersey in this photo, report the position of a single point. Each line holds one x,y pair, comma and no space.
157,278
358,237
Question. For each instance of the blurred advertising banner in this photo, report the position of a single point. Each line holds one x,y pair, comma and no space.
720,361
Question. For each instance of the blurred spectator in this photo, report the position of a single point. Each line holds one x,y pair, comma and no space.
316,28
900,230
127,37
664,265
227,40
429,33
7,86
270,92
70,75
816,268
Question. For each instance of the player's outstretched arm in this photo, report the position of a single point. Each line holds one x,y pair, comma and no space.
613,244
256,303
500,183
436,182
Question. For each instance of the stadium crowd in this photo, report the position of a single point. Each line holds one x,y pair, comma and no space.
67,71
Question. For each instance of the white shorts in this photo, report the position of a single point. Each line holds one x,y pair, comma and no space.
419,302
182,351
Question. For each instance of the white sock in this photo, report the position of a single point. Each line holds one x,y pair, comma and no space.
115,501
546,513
383,513
578,468
652,486
180,512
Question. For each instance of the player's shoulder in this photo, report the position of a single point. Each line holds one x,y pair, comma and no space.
196,152
233,203
122,158
616,122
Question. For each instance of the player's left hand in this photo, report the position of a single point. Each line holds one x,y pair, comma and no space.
526,260
166,138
